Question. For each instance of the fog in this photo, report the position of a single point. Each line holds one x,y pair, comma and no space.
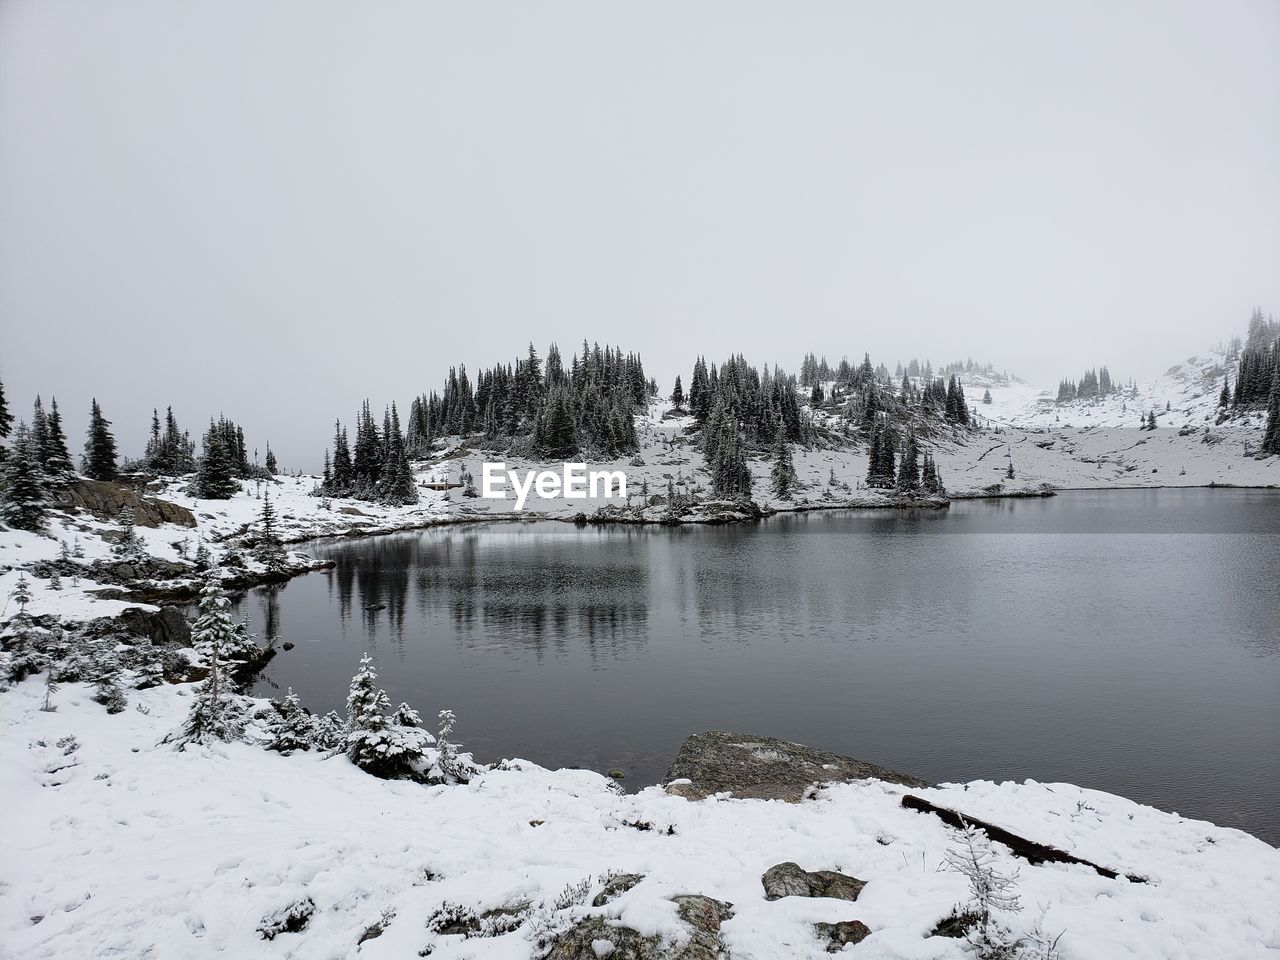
275,209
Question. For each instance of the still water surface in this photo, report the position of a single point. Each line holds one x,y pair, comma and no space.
1123,640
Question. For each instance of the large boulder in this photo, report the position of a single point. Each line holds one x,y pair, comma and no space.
165,627
791,880
764,768
105,500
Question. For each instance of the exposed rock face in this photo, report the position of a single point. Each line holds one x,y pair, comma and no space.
166,626
615,888
790,880
105,500
837,935
764,768
593,938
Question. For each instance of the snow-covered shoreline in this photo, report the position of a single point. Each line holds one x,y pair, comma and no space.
118,845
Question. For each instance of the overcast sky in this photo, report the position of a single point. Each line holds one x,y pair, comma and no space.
274,209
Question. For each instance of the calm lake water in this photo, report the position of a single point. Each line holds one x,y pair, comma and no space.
1124,640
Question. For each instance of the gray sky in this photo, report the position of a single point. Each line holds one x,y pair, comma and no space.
273,209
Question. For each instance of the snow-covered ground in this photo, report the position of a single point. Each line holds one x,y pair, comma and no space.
117,846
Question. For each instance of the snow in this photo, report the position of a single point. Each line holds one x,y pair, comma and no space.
121,847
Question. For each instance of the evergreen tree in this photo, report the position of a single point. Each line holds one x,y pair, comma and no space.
1271,439
292,728
1224,398
55,458
6,420
908,480
99,462
398,486
677,395
129,548
215,473
23,497
554,434
269,549
342,467
215,638
783,474
271,465
374,741
986,396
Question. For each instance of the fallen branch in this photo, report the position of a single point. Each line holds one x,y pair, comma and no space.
1028,850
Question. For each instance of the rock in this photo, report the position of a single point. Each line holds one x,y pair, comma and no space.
764,768
166,626
287,645
105,500
839,934
616,887
593,938
790,880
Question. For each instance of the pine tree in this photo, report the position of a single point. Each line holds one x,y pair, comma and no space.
783,474
374,742
271,465
23,496
129,547
269,550
677,395
292,728
22,593
215,473
1271,439
908,480
99,461
215,638
6,419
1224,398
54,456
554,434
986,396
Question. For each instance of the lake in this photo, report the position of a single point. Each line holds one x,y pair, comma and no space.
1123,640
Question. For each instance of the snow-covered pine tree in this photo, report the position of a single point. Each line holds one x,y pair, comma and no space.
54,456
398,487
213,636
986,396
1271,438
129,547
677,395
782,476
99,461
270,462
215,473
6,420
292,728
269,550
23,503
908,480
374,742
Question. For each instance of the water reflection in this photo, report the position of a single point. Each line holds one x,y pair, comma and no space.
1127,642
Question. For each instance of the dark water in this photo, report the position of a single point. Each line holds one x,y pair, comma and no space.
1127,640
